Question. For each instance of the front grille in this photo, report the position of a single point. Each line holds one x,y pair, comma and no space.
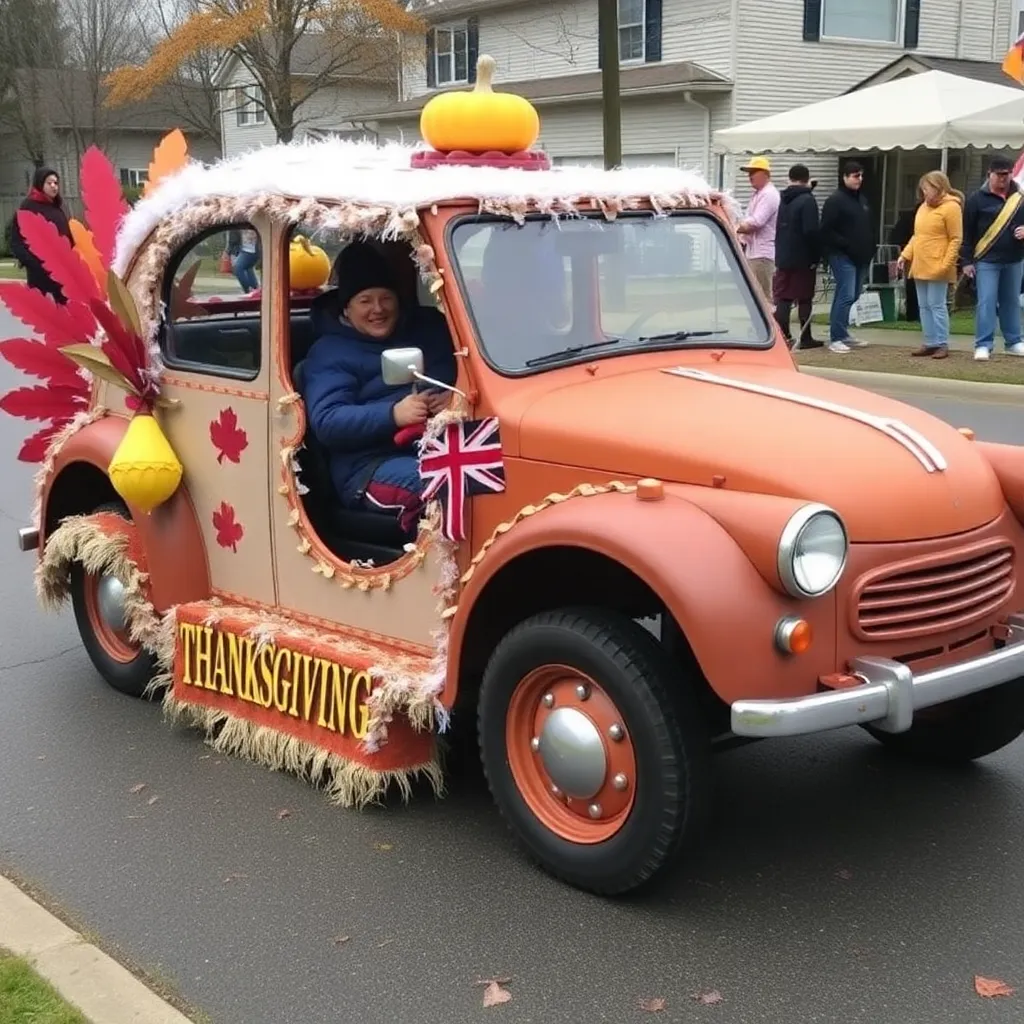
914,600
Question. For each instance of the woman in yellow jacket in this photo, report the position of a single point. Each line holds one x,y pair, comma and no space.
932,254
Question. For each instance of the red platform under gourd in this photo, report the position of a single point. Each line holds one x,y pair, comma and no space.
528,160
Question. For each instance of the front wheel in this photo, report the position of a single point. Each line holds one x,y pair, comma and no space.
98,602
962,730
593,747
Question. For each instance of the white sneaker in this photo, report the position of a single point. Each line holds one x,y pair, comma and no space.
839,347
981,353
855,342
1015,350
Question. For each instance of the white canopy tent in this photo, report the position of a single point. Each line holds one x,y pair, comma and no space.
933,109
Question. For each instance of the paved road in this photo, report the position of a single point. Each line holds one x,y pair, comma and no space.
835,886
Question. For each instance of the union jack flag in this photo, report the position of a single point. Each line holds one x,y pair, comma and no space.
464,461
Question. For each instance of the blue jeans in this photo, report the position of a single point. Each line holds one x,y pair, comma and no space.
394,487
849,279
931,300
243,267
998,295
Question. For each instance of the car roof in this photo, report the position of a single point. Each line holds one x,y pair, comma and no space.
365,175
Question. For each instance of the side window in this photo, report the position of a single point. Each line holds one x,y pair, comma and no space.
212,298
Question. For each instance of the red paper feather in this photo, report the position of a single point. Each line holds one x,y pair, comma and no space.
58,256
120,346
35,447
105,205
43,403
39,360
58,325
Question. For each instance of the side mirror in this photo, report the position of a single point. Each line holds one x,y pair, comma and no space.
400,366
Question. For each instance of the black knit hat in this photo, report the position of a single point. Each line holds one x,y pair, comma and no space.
360,266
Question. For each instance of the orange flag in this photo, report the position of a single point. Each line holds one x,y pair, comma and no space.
1013,62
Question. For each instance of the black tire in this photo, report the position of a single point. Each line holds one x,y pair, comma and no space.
131,678
962,730
669,738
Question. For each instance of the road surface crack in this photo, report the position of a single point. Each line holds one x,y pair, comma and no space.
41,661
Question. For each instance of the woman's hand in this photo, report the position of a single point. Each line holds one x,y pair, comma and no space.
410,410
438,401
901,265
1018,233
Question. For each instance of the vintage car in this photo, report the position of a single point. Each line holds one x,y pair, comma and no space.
645,534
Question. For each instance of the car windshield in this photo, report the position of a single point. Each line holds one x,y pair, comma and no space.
547,292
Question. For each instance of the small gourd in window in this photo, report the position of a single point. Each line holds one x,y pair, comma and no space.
309,266
480,120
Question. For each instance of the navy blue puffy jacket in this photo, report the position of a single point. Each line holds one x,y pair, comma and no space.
348,405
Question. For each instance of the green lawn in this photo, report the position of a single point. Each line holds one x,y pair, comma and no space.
26,999
961,322
10,271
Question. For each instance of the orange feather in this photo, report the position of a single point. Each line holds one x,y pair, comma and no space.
86,248
170,155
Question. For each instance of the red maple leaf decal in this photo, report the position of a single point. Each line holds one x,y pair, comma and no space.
228,437
229,529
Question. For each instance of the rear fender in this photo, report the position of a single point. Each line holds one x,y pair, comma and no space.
721,602
170,535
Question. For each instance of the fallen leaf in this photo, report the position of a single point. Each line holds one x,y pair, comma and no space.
283,813
340,940
708,998
845,874
653,1005
382,846
152,800
235,878
137,788
991,987
494,994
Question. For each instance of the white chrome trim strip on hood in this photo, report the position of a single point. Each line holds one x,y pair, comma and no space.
906,437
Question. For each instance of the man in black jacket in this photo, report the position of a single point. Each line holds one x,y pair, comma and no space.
44,198
796,256
993,254
848,241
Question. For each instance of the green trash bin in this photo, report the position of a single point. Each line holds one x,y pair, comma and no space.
886,299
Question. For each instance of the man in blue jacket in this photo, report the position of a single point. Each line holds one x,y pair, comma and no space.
993,254
352,412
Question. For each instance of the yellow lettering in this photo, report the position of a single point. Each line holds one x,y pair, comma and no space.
235,662
204,642
186,637
336,673
358,711
339,700
220,669
282,684
266,698
303,667
309,687
247,687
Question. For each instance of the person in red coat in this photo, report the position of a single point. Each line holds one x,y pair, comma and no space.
44,198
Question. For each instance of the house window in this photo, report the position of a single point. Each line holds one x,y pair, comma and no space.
1017,26
632,21
250,107
132,177
451,54
871,20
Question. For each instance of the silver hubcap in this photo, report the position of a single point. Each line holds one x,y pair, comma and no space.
573,753
110,602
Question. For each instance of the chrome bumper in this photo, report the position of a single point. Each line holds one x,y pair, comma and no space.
28,538
889,696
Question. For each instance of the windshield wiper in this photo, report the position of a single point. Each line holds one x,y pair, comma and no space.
681,335
572,350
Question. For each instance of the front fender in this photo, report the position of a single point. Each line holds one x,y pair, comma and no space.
1007,461
724,606
170,534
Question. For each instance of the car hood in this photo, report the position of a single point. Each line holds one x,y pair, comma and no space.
893,472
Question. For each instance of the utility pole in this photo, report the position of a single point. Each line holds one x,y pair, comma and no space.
608,42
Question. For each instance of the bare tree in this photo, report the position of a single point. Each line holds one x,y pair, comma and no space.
292,49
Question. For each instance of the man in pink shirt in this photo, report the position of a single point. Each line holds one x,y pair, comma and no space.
757,229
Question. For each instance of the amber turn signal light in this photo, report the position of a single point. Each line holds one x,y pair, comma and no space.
792,635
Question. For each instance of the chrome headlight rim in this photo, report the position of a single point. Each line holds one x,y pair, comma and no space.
789,544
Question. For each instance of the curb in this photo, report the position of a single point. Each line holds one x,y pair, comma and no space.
979,391
99,987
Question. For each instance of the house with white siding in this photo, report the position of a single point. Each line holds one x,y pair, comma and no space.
243,113
689,67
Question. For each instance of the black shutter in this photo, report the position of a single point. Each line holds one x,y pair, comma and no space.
912,26
431,63
652,31
812,21
472,46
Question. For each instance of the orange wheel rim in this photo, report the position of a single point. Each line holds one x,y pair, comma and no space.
113,639
570,754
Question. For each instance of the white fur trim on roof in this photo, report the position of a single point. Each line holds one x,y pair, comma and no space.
369,174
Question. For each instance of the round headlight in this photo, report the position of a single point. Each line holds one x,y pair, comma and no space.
812,551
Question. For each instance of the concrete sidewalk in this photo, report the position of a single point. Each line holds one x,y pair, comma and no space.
99,987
